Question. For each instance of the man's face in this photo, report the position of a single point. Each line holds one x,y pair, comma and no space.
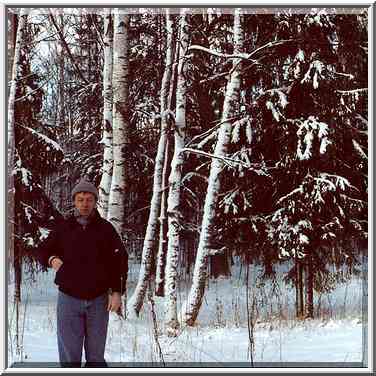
84,202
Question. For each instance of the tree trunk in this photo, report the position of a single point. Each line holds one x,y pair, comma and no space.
16,74
220,265
12,35
121,126
137,299
309,287
173,203
61,89
17,266
162,245
299,288
105,184
297,302
211,201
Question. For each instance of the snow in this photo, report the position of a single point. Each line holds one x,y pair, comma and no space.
28,212
279,102
29,241
220,334
26,175
359,149
248,132
315,72
300,56
306,133
303,239
47,140
43,233
236,132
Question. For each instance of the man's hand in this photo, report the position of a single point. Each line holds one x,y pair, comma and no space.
56,263
114,302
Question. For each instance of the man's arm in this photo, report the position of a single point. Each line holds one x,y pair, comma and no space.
48,252
118,263
119,271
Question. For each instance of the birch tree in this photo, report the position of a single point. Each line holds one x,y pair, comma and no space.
16,75
173,203
121,125
211,201
61,68
136,301
105,184
163,227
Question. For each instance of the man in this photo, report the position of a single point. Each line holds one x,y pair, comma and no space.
91,267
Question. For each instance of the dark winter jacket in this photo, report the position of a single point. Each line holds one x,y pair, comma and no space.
94,258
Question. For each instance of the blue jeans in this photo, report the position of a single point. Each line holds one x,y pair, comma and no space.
82,323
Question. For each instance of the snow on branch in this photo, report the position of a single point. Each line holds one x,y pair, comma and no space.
308,130
226,160
244,56
276,102
348,75
25,175
359,150
315,73
298,190
353,92
219,54
30,92
211,130
340,181
209,155
50,143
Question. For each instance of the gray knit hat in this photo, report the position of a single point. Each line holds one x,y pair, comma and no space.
85,186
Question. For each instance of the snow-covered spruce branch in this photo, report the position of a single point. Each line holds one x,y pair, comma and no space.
243,56
212,78
298,190
265,46
225,74
224,159
203,135
355,200
218,54
42,137
354,91
30,92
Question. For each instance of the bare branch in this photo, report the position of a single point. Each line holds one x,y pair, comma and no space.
62,39
30,93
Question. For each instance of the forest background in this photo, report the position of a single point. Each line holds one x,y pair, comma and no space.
218,138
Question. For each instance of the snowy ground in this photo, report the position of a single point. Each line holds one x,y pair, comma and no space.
220,337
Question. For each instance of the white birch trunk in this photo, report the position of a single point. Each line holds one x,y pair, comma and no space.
173,203
211,201
137,299
105,184
16,75
121,131
61,92
162,246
